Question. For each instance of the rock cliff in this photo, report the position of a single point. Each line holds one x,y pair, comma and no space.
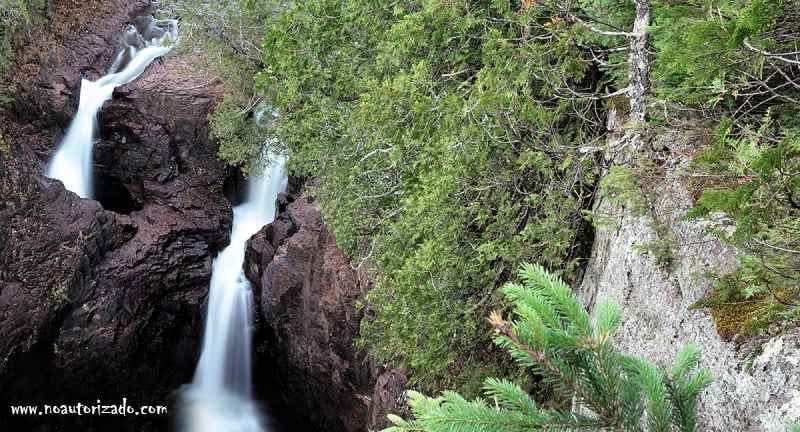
308,320
757,382
103,299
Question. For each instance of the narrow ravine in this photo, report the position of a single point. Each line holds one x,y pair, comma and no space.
220,397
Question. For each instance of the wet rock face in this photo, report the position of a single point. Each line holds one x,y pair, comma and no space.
105,303
307,323
755,389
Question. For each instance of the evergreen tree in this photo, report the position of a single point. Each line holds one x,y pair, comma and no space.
554,337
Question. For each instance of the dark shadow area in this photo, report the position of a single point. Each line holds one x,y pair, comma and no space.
113,195
235,186
275,422
270,390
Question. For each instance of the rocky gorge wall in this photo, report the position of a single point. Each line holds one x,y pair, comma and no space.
103,300
757,381
307,321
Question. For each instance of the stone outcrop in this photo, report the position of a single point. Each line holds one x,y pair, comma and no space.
755,389
103,299
307,322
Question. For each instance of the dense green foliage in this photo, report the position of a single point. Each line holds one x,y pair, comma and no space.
450,141
555,338
446,140
701,59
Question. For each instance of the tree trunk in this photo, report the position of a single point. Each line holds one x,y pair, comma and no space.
639,62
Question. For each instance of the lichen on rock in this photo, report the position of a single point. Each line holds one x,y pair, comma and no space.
657,304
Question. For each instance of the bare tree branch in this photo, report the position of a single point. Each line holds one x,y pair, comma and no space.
769,54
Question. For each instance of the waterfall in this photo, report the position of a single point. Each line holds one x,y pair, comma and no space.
141,44
219,398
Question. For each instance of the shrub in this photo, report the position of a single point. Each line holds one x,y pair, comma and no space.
757,189
702,55
445,152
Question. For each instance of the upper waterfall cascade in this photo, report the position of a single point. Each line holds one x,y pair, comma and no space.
219,398
142,43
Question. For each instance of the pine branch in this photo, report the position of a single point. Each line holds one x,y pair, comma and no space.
553,339
504,329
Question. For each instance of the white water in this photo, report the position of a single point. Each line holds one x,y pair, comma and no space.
72,162
219,399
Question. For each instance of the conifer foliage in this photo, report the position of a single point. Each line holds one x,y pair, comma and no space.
553,336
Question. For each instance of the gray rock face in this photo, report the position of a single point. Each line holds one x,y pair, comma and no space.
754,389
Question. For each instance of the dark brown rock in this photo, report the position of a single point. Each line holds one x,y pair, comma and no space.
78,38
95,303
103,299
388,397
308,322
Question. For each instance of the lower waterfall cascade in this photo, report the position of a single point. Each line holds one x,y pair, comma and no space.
220,396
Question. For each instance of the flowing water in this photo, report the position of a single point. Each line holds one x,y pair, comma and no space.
72,162
219,399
